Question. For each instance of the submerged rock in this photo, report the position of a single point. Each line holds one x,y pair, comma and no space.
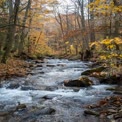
25,88
81,82
13,86
50,96
4,113
45,111
1,86
34,114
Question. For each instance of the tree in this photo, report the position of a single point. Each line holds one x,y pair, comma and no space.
13,15
21,17
110,11
23,34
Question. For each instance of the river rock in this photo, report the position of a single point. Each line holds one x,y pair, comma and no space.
90,71
50,96
62,65
91,112
112,111
13,86
50,65
81,82
7,112
118,92
45,111
118,115
21,106
0,85
39,65
39,61
4,113
36,72
25,88
110,80
111,89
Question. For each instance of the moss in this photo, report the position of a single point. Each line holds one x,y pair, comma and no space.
88,72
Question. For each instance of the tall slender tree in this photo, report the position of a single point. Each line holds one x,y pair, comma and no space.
13,14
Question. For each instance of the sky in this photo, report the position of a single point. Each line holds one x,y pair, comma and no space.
64,3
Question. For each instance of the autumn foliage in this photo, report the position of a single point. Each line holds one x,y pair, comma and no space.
109,51
14,67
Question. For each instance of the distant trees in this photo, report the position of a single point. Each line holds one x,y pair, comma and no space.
92,20
22,25
18,20
74,26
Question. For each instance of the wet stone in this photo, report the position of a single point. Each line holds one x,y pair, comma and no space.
45,111
1,86
36,72
81,82
21,106
51,88
4,113
13,86
2,106
25,88
39,65
50,65
50,96
39,61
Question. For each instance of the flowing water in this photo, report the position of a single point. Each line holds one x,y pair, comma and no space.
44,87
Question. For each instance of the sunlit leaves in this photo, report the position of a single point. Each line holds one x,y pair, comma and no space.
105,8
1,2
109,51
38,43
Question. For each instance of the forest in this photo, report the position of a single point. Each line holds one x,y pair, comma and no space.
60,60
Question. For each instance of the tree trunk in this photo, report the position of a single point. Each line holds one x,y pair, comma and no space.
13,13
91,24
117,18
23,35
83,28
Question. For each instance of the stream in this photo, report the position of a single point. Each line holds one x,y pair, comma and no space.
43,88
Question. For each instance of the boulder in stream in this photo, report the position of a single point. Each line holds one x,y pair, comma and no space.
111,80
90,71
81,82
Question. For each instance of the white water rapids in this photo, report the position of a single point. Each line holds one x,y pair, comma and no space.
53,76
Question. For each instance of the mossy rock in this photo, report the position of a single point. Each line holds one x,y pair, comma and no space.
90,71
111,79
81,82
